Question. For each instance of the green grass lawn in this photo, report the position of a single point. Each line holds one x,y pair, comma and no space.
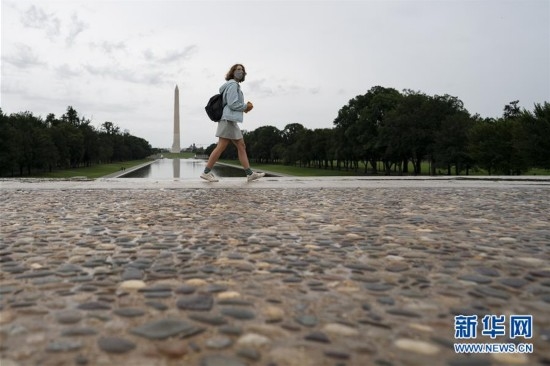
297,171
308,172
95,171
538,172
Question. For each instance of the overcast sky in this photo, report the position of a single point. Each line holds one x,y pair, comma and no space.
120,61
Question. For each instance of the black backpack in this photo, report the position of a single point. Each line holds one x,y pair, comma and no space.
214,107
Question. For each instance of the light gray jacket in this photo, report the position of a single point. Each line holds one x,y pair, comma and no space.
233,100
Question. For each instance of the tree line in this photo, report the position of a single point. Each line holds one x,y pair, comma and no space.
389,132
30,144
383,131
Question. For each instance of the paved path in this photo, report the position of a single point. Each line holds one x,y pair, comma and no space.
283,271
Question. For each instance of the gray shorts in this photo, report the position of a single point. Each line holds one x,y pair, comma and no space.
229,130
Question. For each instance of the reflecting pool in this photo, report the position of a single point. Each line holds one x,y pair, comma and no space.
181,168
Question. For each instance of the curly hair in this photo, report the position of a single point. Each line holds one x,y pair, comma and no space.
231,71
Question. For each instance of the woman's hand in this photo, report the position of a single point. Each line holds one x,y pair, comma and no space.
249,107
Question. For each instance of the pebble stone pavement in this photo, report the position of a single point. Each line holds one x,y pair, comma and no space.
283,271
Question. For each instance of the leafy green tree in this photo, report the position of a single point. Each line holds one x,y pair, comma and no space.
91,142
409,134
25,124
262,141
451,143
110,128
491,145
514,143
29,144
381,102
358,125
348,139
139,147
411,129
537,127
71,117
480,143
393,143
75,143
10,142
305,148
44,150
290,137
321,147
511,110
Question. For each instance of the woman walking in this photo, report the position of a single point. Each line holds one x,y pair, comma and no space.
228,129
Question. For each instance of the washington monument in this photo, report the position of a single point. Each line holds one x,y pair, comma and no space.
176,144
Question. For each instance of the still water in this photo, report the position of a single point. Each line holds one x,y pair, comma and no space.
181,168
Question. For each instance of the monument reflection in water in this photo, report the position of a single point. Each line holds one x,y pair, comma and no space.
181,168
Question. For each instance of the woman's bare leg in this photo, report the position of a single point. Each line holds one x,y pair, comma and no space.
241,151
215,155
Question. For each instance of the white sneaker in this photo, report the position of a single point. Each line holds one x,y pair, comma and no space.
254,176
209,177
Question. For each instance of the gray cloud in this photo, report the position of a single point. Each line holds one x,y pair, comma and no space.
283,87
259,87
171,56
454,47
24,57
118,73
314,90
13,88
109,47
149,55
76,27
37,18
65,71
